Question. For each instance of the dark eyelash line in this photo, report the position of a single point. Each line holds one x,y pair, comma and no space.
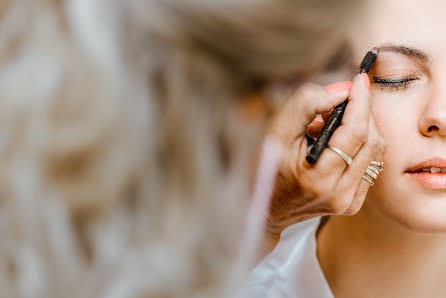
394,84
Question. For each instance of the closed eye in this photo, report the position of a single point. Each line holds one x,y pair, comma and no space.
394,84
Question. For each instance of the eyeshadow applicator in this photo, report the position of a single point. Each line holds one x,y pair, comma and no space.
336,116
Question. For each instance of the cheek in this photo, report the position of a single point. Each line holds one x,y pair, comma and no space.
395,121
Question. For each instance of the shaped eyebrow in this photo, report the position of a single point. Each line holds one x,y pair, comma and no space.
405,50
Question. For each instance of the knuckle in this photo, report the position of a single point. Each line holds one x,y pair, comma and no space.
378,145
360,134
307,91
303,98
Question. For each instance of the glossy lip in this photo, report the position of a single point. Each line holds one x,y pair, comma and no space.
427,179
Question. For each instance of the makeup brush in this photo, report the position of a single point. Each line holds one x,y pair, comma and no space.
336,116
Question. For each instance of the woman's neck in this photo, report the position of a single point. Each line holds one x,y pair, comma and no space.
370,254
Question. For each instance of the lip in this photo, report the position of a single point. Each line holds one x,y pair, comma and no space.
427,179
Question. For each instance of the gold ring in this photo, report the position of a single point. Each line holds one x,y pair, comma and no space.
348,160
366,178
372,171
379,164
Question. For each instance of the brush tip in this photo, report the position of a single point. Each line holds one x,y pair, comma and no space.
375,50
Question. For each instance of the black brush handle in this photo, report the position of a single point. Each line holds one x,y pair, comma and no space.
330,126
335,119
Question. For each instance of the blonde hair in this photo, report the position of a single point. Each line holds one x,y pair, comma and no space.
125,163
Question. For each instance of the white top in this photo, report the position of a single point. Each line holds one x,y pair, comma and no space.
292,269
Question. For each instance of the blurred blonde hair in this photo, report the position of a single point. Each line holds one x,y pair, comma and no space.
124,162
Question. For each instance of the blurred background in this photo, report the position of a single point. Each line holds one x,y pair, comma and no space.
130,132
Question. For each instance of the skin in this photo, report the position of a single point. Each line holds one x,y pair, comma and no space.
395,246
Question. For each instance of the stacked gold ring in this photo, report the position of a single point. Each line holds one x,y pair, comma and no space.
372,171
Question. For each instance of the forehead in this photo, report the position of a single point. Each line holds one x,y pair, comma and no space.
414,23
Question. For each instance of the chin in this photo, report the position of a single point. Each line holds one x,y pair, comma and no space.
419,213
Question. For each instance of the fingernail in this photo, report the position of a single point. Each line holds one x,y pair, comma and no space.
315,121
366,80
339,87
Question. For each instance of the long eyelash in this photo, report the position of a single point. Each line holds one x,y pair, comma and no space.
394,84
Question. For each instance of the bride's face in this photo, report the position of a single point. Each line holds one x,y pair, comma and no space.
408,98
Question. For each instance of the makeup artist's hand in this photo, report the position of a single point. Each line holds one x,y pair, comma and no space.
329,187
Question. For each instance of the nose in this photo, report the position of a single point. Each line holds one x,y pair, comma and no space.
433,115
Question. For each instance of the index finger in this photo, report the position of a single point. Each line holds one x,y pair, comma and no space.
358,108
